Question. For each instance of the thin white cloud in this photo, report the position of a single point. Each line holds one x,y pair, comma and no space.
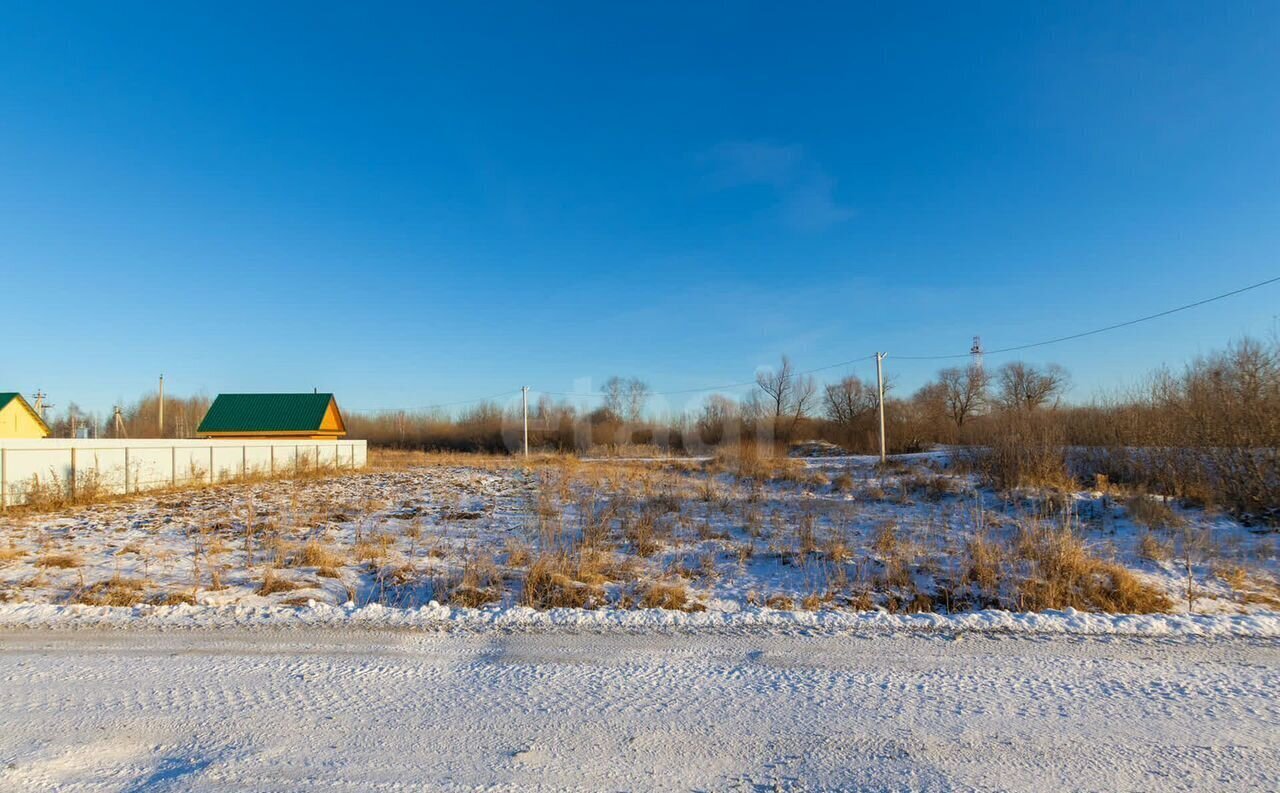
805,192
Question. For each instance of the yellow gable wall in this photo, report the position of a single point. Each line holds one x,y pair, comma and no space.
332,421
16,422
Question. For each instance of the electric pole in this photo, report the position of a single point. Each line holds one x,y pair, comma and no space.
119,423
40,404
880,401
524,400
161,414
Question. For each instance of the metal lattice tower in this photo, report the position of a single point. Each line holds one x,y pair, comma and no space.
975,353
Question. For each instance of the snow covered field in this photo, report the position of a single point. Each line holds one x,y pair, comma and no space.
370,710
819,535
646,625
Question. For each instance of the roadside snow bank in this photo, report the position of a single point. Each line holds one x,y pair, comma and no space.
434,615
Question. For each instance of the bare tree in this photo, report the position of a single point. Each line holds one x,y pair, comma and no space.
849,400
1023,386
777,386
788,396
717,416
615,395
964,392
850,404
637,393
625,398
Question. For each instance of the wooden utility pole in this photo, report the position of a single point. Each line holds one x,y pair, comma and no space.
524,400
160,420
880,401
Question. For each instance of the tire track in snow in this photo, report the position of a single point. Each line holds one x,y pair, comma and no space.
101,710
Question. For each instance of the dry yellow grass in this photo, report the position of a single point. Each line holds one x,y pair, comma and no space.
560,580
780,602
62,561
273,583
372,550
670,594
175,598
1152,512
1152,548
116,591
316,554
983,561
1062,573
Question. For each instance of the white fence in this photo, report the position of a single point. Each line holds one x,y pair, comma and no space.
124,466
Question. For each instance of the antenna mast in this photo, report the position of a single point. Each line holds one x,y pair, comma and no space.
975,353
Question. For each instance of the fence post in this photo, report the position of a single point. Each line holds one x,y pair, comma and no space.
244,461
210,464
126,470
272,449
173,466
73,473
4,482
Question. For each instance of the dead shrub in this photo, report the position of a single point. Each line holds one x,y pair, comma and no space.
518,554
780,602
642,532
983,559
670,594
552,583
1151,548
1026,449
273,583
479,584
371,550
1061,573
842,483
316,554
62,561
1233,576
1152,512
174,598
886,542
116,591
836,549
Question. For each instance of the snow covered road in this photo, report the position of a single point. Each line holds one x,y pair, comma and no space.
357,710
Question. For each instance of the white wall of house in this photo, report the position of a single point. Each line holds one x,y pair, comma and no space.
129,466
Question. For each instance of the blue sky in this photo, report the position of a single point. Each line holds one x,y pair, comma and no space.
410,205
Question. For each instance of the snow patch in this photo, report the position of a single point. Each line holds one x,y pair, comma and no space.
435,615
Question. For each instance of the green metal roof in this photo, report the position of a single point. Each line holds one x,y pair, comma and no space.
265,413
6,397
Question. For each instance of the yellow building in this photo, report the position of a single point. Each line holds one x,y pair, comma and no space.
18,419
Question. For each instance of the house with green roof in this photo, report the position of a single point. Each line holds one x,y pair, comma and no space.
18,419
299,416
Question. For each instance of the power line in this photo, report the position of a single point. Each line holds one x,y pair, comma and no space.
1095,331
747,383
438,405
724,387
